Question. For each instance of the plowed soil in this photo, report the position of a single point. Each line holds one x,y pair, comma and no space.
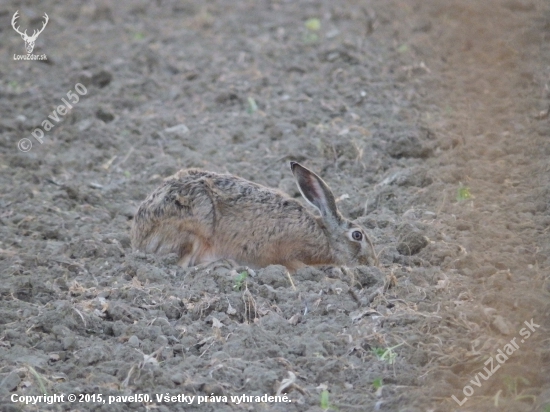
430,121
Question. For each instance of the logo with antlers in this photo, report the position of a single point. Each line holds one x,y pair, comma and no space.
29,40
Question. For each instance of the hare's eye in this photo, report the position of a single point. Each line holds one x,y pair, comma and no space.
357,235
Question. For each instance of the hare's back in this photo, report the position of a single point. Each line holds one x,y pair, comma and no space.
259,214
241,206
199,192
223,187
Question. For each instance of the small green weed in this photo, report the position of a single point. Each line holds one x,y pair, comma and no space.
313,25
512,384
378,384
325,404
252,106
514,392
403,48
39,379
463,193
14,86
386,354
240,280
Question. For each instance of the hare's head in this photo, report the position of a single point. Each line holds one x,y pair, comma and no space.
348,241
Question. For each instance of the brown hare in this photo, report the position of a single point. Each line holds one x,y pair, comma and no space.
204,216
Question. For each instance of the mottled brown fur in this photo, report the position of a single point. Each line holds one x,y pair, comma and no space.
204,216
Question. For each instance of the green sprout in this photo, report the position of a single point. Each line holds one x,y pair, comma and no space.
239,280
313,25
39,378
377,383
252,106
403,48
463,193
325,404
512,384
324,400
386,354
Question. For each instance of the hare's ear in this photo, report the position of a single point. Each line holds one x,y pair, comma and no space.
316,192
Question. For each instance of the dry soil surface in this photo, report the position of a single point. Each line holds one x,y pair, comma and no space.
429,119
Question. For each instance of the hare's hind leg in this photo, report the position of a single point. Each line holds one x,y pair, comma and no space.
194,250
177,237
188,252
212,265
